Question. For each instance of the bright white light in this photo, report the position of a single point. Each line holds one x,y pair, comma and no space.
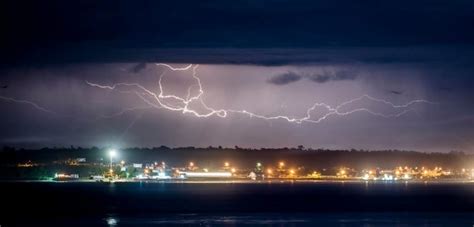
112,153
387,177
366,177
406,176
111,221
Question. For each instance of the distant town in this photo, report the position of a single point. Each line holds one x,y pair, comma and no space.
218,163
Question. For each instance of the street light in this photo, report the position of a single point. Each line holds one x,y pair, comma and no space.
342,172
112,154
269,171
281,164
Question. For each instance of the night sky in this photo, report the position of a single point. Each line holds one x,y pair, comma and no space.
269,58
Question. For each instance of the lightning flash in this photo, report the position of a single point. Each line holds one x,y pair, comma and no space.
33,104
159,99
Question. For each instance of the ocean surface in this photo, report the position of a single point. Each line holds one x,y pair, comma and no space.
237,204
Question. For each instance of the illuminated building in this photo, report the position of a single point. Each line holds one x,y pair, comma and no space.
65,177
187,175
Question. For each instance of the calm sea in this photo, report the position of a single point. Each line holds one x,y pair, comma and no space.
237,204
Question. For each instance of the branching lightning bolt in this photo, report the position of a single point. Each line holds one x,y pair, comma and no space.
161,100
33,104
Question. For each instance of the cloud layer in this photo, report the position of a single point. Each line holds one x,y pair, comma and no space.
285,78
317,77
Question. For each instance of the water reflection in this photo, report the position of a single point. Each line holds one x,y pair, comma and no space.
111,221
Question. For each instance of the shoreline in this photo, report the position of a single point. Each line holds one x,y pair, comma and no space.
243,181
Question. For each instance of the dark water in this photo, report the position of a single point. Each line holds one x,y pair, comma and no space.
237,204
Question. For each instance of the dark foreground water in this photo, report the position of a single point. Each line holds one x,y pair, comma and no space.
237,204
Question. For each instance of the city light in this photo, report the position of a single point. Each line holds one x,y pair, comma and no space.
151,171
387,177
342,173
269,171
207,174
315,174
366,176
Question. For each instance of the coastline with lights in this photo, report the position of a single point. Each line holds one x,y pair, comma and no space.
116,165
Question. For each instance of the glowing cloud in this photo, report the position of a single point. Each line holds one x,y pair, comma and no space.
182,104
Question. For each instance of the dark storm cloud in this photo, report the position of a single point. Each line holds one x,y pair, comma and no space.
319,78
291,77
449,55
332,76
396,92
285,78
138,67
141,31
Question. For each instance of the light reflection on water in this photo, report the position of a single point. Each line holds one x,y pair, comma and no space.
111,221
242,204
306,219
